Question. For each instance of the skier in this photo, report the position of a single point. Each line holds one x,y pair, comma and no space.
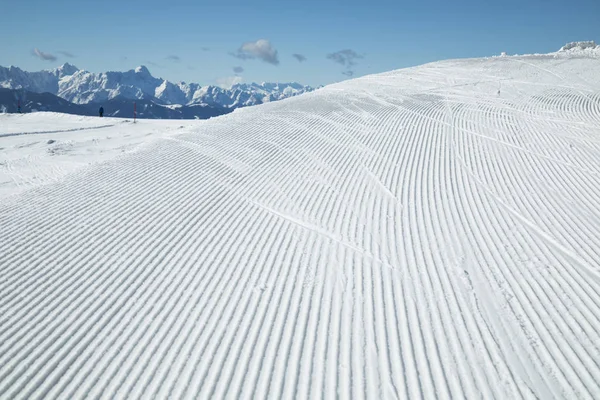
101,111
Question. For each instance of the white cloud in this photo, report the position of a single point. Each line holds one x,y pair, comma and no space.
261,49
228,81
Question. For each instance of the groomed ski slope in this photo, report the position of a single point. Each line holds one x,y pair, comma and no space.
40,148
432,232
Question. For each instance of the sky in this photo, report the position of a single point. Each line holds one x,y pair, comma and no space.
307,41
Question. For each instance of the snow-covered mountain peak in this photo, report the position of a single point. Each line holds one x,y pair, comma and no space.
142,70
66,70
82,87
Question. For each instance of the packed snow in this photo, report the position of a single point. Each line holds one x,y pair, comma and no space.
40,148
432,232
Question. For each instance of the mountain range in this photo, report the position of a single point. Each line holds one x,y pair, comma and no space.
116,90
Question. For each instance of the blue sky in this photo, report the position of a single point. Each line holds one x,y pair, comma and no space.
199,41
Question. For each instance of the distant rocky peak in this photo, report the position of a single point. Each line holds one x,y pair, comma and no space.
142,70
67,69
82,87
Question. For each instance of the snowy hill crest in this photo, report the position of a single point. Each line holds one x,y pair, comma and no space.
580,46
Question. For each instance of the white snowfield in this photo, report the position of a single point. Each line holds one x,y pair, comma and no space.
39,148
432,232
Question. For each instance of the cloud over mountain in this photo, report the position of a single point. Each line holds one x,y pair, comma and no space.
43,56
228,81
262,49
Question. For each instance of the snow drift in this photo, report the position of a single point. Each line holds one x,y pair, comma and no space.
432,232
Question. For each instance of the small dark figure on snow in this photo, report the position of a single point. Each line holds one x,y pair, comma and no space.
101,111
19,109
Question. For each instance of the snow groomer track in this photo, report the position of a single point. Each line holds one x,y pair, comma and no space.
432,232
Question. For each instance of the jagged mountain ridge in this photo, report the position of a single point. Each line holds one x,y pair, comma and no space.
84,87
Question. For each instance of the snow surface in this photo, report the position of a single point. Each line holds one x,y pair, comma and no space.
432,232
39,148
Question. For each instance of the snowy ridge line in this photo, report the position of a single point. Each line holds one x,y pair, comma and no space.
111,88
414,234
